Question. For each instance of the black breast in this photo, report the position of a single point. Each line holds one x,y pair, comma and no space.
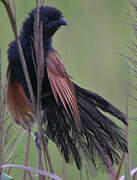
17,70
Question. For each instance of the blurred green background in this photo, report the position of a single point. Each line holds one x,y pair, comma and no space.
89,48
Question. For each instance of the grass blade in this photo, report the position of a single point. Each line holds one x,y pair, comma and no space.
35,170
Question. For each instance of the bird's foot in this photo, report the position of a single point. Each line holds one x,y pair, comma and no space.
37,140
32,104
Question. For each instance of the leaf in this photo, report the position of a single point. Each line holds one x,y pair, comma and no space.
6,177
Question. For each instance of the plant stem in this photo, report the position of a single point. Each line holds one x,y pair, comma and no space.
30,175
38,44
27,154
86,169
16,145
127,136
120,166
46,154
1,120
64,169
111,172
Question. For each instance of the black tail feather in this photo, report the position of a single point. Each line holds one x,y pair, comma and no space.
59,130
104,134
100,103
100,139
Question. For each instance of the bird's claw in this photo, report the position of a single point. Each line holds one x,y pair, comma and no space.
38,142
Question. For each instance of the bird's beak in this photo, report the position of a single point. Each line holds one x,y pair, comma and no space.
58,23
62,22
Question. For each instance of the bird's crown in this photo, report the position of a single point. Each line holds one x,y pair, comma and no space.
50,17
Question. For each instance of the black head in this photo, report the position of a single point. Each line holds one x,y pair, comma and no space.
50,17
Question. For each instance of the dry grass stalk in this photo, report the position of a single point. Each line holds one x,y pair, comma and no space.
15,146
6,134
120,166
27,155
38,44
8,138
86,169
30,175
80,175
64,169
126,156
111,170
127,135
46,154
1,117
132,69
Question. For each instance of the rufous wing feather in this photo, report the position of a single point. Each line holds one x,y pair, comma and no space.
62,86
18,104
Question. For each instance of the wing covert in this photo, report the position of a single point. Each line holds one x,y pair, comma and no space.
61,85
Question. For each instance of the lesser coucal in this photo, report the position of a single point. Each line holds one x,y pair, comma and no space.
73,117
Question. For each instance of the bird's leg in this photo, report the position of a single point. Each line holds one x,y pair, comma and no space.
37,137
37,140
30,103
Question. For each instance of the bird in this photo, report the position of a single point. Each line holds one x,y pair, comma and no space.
74,118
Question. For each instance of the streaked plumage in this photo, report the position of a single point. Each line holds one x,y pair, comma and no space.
72,117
